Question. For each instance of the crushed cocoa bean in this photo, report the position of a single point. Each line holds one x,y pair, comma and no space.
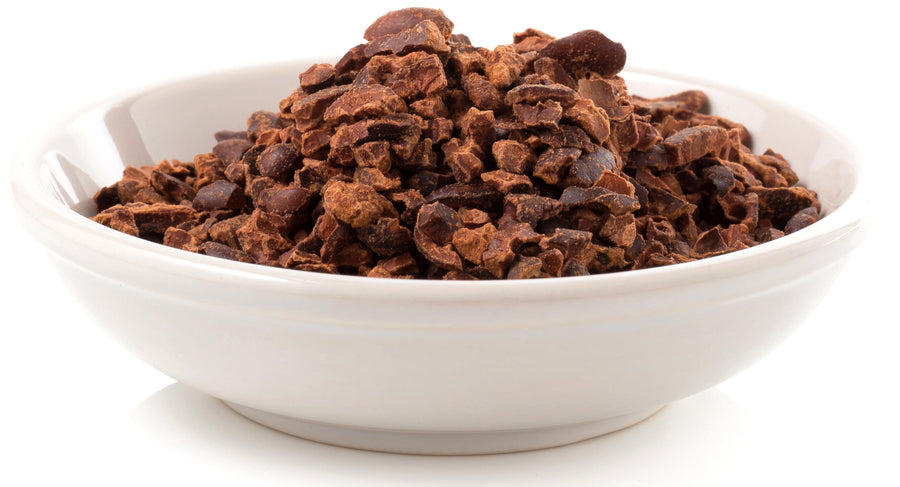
420,155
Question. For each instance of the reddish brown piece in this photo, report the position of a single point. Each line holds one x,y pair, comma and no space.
356,204
587,50
399,20
371,100
231,150
530,208
425,36
433,234
553,162
598,198
318,76
220,195
533,93
692,143
513,156
386,237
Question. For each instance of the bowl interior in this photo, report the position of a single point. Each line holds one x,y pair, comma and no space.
177,121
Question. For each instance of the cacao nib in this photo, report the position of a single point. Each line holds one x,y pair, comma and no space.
421,155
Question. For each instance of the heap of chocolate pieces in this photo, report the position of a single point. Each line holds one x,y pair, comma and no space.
419,155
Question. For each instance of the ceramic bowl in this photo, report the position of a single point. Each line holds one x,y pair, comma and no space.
425,366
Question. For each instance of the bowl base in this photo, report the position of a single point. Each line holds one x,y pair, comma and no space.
438,442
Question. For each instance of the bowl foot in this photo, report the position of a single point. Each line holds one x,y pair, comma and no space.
439,442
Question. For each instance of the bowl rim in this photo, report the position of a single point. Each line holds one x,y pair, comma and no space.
36,204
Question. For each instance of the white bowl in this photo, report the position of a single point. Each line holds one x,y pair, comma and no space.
426,366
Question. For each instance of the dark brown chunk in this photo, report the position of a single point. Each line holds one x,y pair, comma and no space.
552,70
603,93
513,156
567,136
231,150
176,189
433,234
573,244
464,161
318,76
181,239
692,143
368,101
801,220
155,219
466,166
284,201
655,157
352,60
550,166
780,204
419,75
620,230
719,240
431,107
574,268
456,195
507,242
530,208
503,66
209,168
262,236
261,121
552,261
533,93
314,142
586,170
278,161
691,101
614,181
438,222
215,249
439,130
308,111
376,179
483,94
531,40
472,243
423,36
525,267
587,50
591,119
425,182
545,113
478,126
118,218
106,197
598,198
225,231
397,21
356,204
507,182
219,195
403,265
386,237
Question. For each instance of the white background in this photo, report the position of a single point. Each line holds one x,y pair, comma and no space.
821,410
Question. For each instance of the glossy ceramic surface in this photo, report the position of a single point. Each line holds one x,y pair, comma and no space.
426,367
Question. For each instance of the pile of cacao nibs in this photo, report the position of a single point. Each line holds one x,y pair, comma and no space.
419,155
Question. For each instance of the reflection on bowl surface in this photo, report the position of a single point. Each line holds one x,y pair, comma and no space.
426,366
